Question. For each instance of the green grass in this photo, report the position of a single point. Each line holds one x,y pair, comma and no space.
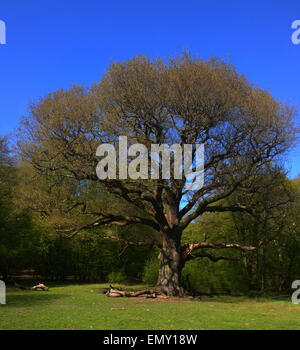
81,307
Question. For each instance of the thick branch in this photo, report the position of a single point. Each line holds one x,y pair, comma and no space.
210,256
111,219
127,243
232,208
188,249
205,204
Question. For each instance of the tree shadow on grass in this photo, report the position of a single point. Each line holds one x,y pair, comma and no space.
31,298
237,299
28,283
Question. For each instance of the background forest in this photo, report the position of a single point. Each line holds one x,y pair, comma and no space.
32,205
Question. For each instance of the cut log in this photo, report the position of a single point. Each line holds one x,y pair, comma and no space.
115,292
40,286
37,287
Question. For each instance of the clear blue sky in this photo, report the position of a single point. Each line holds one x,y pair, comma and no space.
54,44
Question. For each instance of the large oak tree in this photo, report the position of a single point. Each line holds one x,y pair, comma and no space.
183,100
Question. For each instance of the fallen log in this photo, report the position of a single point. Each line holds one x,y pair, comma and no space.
40,286
115,292
37,287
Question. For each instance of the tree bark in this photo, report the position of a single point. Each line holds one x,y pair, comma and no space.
170,265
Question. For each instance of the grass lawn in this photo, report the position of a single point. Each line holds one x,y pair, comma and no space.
78,307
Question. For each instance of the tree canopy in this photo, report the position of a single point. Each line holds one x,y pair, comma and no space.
184,100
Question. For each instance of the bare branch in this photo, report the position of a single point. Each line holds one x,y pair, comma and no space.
113,220
188,250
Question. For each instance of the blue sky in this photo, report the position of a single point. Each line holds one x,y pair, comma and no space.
56,44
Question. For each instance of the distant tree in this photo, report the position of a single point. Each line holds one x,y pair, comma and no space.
273,228
184,101
56,203
4,151
17,234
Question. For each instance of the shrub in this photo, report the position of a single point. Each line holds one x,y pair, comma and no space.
117,277
204,276
150,274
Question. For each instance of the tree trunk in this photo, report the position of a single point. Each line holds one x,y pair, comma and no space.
170,266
